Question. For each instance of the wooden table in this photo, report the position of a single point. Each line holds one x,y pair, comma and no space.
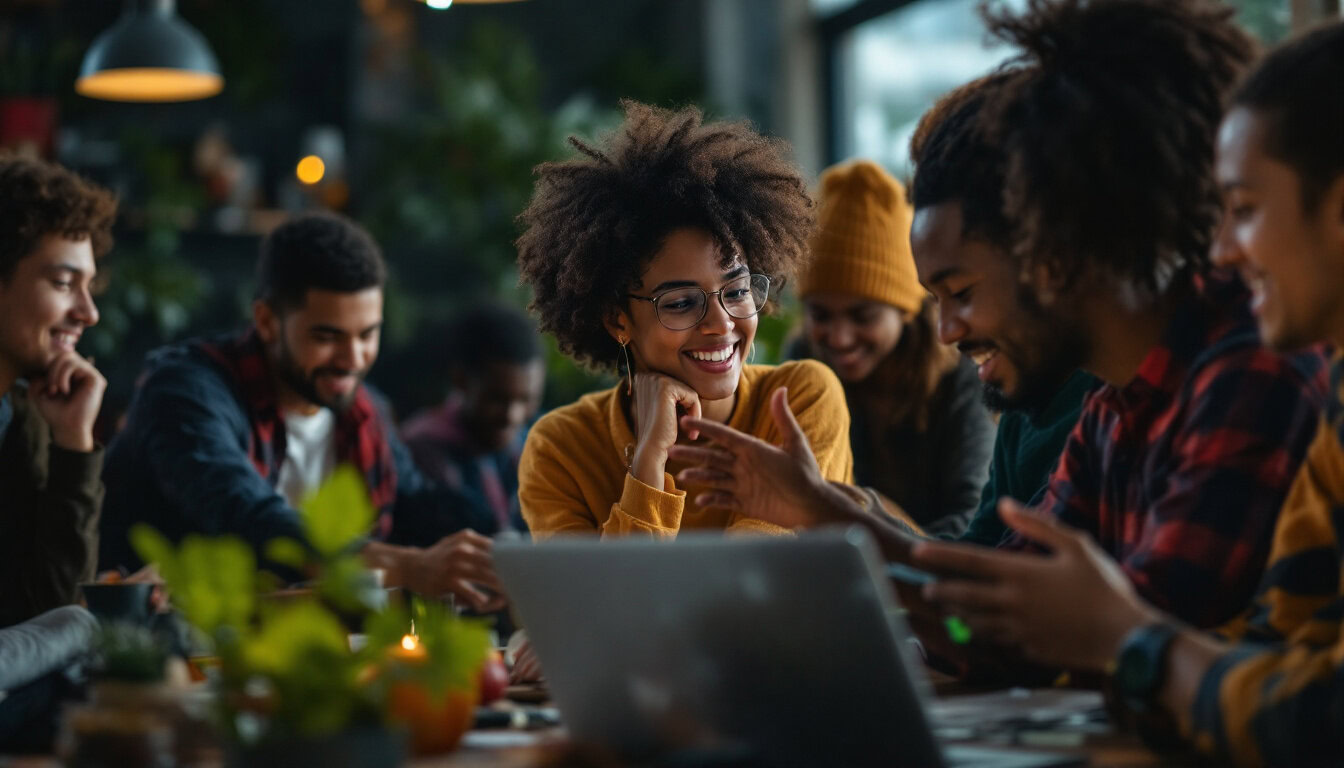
1105,750
548,749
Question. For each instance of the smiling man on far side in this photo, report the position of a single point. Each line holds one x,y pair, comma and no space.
53,228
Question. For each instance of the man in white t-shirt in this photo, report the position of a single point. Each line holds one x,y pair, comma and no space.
228,434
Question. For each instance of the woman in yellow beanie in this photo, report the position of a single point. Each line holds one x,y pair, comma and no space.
919,433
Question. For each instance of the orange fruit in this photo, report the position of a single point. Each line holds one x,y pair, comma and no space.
435,726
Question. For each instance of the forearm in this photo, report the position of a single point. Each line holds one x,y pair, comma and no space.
648,466
391,559
841,504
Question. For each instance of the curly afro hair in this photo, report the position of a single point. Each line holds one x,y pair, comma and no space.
1109,130
596,220
39,199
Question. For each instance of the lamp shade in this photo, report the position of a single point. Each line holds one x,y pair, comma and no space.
150,54
444,4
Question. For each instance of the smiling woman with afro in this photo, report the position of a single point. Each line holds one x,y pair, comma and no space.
650,253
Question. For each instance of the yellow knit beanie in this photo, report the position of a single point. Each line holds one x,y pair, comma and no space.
862,242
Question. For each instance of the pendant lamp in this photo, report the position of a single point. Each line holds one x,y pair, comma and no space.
150,54
445,4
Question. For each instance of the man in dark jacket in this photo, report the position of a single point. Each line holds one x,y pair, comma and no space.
53,226
228,435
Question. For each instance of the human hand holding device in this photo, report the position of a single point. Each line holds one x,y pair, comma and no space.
1071,607
460,564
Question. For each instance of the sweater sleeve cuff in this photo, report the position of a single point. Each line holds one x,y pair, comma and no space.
650,507
1212,732
75,472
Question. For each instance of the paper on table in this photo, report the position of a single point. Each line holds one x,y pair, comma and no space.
509,738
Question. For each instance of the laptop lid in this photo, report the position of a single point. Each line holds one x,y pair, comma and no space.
788,647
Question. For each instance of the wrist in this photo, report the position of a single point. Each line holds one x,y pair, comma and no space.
833,502
1140,667
79,441
1120,629
394,561
649,465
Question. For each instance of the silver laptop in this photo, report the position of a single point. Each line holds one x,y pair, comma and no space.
764,651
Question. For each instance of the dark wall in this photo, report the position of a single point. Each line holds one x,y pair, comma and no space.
292,64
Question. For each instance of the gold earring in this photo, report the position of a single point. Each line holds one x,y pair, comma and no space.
629,376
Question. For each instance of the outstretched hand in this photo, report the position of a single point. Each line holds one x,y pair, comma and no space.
746,475
1071,607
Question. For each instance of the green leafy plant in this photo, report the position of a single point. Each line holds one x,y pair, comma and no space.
447,181
287,668
150,288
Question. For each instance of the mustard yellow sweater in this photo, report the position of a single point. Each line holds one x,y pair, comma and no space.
573,476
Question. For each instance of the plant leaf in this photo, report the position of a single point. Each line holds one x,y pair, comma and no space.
287,551
338,513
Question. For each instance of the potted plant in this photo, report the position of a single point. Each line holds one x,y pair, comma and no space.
36,62
292,688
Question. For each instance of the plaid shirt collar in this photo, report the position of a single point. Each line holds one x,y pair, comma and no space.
359,431
1197,320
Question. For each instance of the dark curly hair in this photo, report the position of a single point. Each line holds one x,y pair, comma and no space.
1298,92
326,251
596,219
1109,130
954,163
39,199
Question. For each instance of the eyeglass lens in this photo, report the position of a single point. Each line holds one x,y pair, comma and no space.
685,307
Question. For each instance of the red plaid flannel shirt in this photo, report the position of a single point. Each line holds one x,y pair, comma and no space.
359,434
1180,474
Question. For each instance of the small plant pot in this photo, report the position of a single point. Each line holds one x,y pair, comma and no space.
356,748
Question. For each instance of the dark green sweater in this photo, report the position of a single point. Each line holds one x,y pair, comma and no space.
49,503
1026,450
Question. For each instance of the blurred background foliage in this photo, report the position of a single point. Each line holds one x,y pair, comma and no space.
439,160
447,183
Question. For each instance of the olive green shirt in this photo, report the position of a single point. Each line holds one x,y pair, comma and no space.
1026,449
50,499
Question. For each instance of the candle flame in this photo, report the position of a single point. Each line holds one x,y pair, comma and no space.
409,642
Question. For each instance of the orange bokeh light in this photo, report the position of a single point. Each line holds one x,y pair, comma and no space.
310,170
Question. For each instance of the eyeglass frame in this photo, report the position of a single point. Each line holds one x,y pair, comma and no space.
704,308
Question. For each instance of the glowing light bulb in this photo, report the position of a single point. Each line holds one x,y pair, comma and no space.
409,642
310,169
439,5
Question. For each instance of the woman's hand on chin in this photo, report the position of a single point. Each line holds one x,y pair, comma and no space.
657,398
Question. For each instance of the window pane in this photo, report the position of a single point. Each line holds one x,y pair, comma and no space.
891,69
827,7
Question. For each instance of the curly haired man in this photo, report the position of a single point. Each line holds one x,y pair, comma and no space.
53,228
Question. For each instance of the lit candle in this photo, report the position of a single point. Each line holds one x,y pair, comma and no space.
410,650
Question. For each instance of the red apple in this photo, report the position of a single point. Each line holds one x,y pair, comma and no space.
494,678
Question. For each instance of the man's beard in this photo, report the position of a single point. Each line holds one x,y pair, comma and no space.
1058,350
305,384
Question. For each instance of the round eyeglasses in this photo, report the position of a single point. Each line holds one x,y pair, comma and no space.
683,308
